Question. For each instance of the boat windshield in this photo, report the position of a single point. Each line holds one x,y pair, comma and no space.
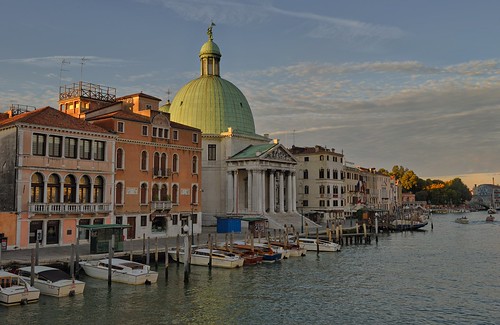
53,275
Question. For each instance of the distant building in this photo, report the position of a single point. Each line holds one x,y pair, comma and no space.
57,173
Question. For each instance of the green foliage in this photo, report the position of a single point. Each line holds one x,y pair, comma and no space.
434,191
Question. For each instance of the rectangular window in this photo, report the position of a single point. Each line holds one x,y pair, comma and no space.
70,147
99,150
38,144
119,220
155,131
121,127
194,219
176,135
305,203
212,152
175,220
144,221
160,133
195,137
55,146
85,149
306,158
145,130
321,203
165,134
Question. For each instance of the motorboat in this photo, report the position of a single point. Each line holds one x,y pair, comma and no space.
312,244
251,258
492,211
490,218
462,220
122,271
201,256
14,290
407,225
293,249
52,282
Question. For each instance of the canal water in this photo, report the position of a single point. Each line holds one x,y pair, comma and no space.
445,275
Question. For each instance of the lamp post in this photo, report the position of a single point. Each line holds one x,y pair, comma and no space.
192,227
302,217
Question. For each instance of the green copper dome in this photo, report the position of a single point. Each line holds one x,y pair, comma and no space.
211,103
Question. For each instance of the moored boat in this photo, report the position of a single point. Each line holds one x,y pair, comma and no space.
16,291
490,218
122,271
268,254
201,256
52,282
311,244
407,225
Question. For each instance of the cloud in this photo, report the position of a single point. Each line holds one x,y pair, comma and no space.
247,12
49,61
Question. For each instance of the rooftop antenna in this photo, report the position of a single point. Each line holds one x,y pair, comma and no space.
293,139
168,95
83,60
63,62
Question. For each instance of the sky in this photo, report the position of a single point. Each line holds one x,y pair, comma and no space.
386,82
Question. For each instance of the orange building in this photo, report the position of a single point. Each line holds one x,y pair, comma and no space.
57,173
157,162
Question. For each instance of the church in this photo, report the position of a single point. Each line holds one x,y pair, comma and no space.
244,175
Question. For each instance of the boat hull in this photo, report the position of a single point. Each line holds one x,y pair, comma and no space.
203,260
63,288
136,277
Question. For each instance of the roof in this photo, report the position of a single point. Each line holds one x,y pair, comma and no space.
141,94
213,104
51,117
210,48
124,115
253,151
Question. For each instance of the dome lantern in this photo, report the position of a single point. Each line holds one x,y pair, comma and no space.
210,55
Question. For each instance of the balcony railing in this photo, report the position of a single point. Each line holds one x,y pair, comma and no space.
72,208
161,205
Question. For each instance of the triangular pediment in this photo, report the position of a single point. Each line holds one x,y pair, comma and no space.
279,153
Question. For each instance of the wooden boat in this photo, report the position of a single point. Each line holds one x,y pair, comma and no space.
251,258
201,256
52,282
311,244
490,218
267,253
293,250
122,271
16,291
462,220
407,225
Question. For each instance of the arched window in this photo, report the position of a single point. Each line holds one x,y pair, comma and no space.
144,160
194,194
155,191
119,193
99,190
119,158
84,189
175,193
175,163
322,189
195,165
306,189
321,173
164,193
54,189
144,193
163,164
69,189
37,188
156,164
306,174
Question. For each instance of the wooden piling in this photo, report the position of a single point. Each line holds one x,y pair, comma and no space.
156,253
32,277
72,262
187,250
317,241
37,251
148,253
110,258
177,248
210,251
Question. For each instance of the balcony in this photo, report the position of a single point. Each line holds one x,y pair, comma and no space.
69,208
161,205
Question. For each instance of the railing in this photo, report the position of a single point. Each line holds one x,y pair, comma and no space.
71,208
161,205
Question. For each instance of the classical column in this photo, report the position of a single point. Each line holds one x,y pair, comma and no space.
271,191
250,174
229,192
257,195
281,193
294,192
235,193
289,194
263,193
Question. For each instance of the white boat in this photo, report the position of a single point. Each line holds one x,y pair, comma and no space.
201,256
52,282
310,244
492,211
122,271
462,220
16,291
